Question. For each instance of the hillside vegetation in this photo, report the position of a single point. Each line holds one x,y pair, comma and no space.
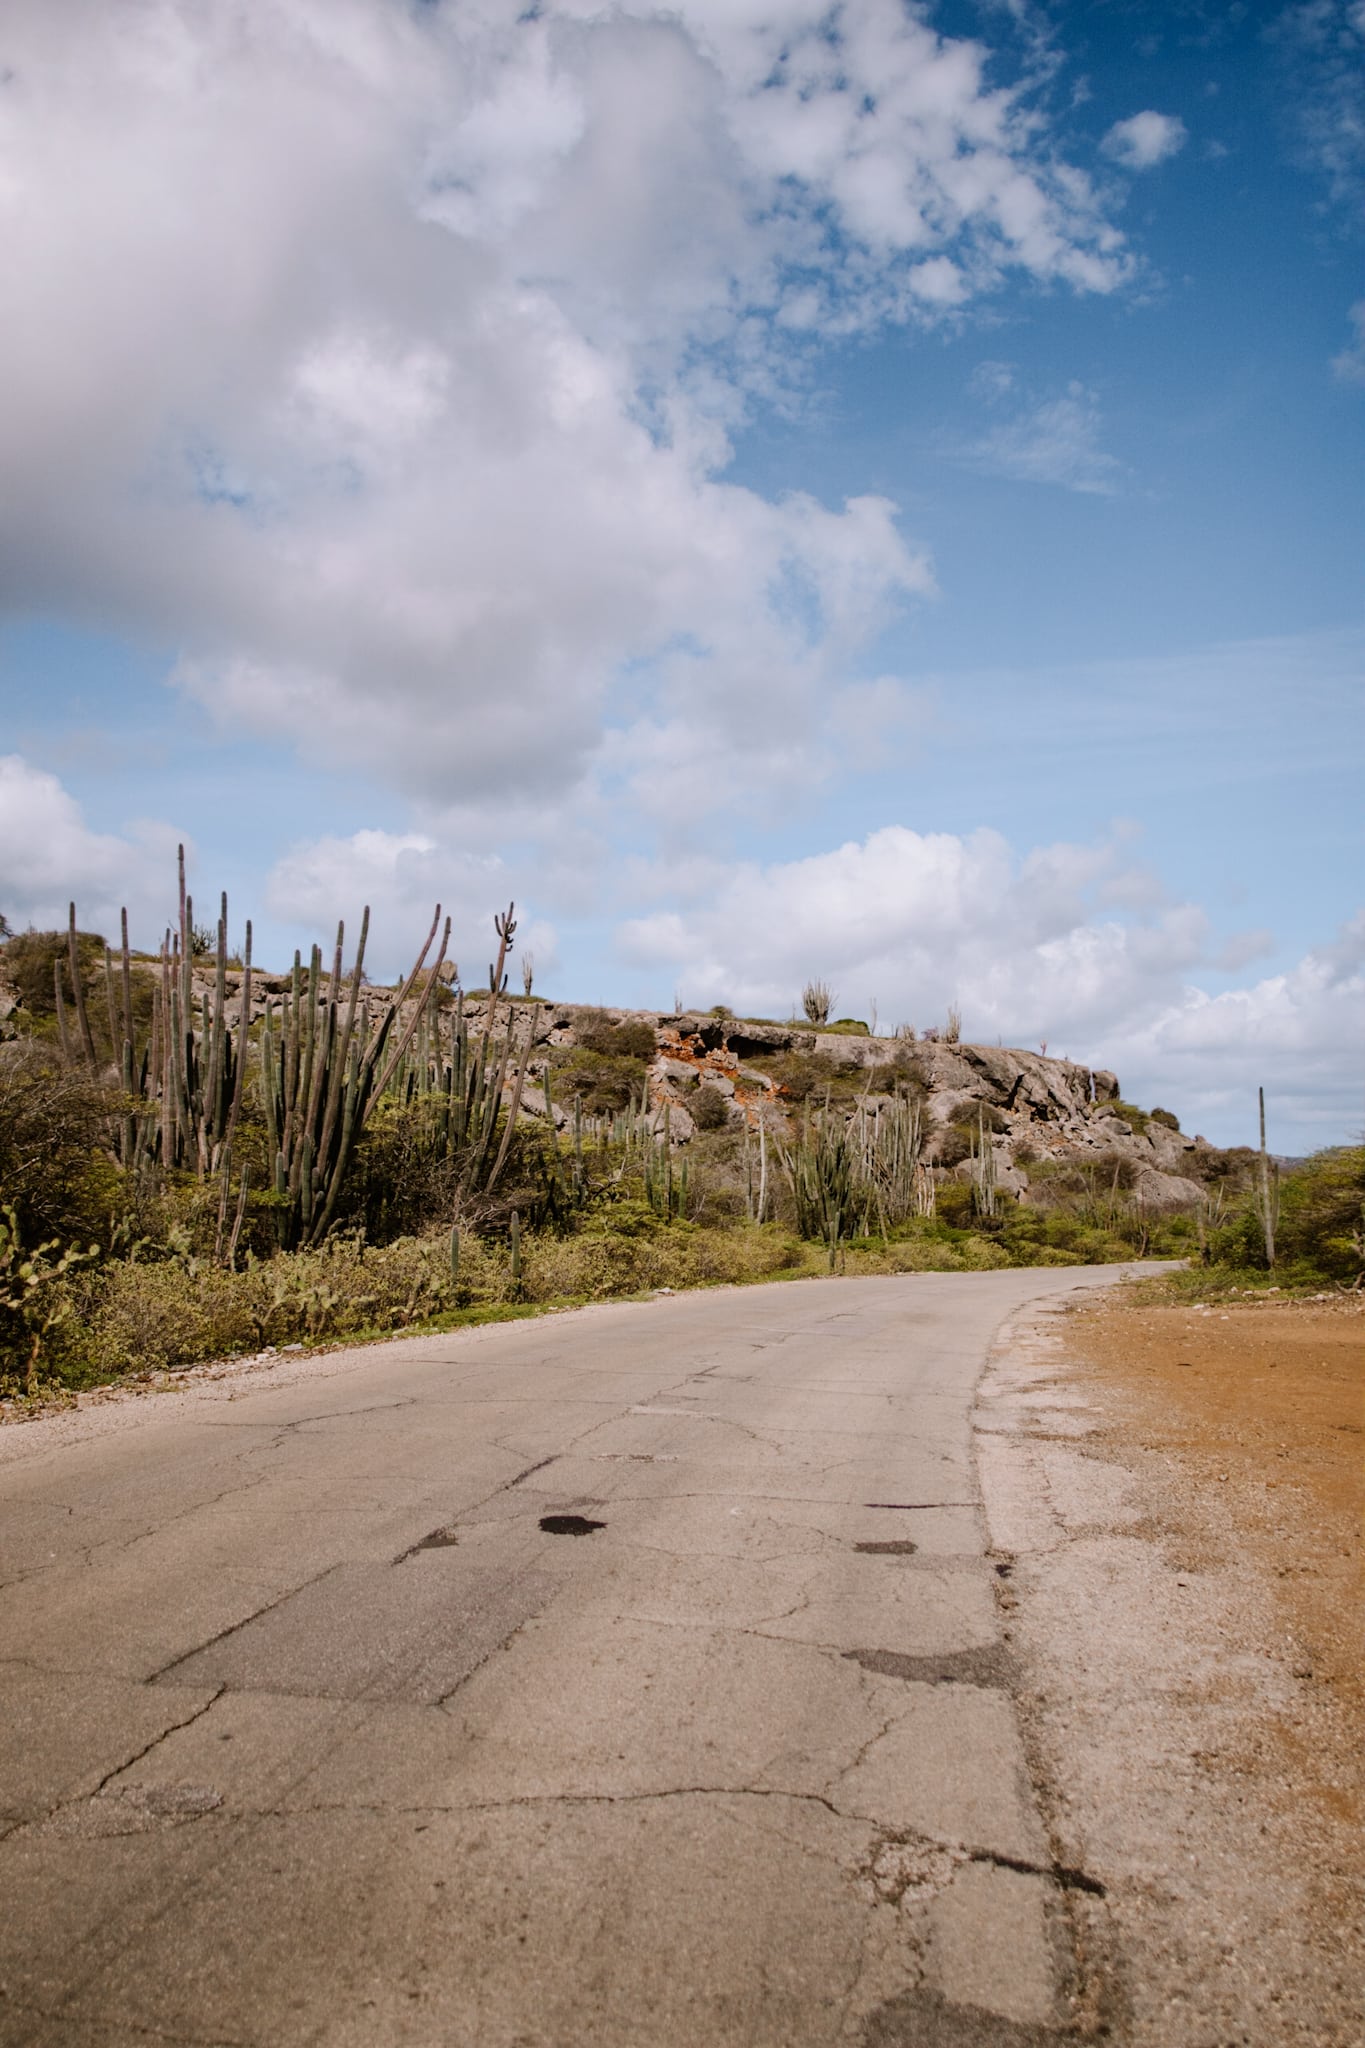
198,1158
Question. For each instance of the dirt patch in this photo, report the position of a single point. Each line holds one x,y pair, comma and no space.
1176,1496
1263,1405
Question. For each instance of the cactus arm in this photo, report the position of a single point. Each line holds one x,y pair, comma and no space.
342,1057
235,1108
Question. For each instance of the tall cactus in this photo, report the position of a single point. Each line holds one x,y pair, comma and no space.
1267,1191
327,1057
844,1174
323,1070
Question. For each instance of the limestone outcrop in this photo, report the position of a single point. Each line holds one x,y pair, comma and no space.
1033,1107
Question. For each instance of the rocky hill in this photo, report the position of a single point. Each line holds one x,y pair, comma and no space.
714,1068
1032,1108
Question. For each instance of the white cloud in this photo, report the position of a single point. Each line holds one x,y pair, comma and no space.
1242,948
1297,1034
383,358
1025,943
401,877
1321,44
1048,441
50,858
1145,140
1349,366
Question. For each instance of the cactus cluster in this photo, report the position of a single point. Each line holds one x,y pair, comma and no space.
847,1178
183,1086
462,1070
985,1193
324,1062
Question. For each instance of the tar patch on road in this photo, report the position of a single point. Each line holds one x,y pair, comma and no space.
569,1525
439,1539
896,1548
986,1666
131,1810
916,1507
925,2019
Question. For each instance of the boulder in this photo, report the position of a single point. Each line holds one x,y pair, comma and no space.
1164,1193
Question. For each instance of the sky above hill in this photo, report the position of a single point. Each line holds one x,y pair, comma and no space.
779,488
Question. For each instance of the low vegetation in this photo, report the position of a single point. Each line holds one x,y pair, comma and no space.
184,1176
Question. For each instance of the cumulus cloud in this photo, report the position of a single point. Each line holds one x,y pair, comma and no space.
384,358
1145,140
1029,945
49,857
401,877
1297,1034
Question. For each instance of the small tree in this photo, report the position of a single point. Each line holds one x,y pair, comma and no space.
952,1030
817,1000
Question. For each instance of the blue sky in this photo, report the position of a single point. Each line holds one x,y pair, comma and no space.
870,491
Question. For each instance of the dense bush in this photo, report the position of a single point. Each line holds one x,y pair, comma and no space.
605,1082
32,959
709,1109
632,1040
953,1144
54,1122
1322,1217
1320,1237
807,1077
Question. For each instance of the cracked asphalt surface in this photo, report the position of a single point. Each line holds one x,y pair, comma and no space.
315,1734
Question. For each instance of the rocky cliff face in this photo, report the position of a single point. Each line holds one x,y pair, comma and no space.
1033,1107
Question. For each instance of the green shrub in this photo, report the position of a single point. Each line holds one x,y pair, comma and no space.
632,1040
31,959
1321,1233
804,1077
709,1109
953,1144
607,1082
954,1202
37,1311
54,1126
1167,1117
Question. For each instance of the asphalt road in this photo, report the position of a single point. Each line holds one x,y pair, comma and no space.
315,1730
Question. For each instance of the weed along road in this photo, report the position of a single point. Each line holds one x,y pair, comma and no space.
628,1677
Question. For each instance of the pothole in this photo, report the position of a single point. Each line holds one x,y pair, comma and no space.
569,1525
902,1548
